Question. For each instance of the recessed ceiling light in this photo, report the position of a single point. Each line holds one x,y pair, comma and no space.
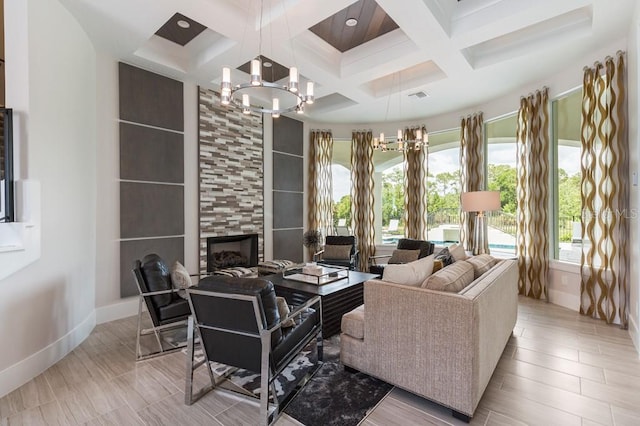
267,64
183,24
351,22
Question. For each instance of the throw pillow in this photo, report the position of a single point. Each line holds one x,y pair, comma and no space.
445,257
453,278
283,310
457,251
180,276
412,273
481,264
404,256
337,252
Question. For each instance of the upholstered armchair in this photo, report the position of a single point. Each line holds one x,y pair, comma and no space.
238,323
165,307
406,251
339,250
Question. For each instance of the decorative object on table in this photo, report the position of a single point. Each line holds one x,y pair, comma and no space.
480,202
312,240
313,273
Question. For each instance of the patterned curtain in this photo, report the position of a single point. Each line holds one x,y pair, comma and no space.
415,193
320,213
471,170
532,234
604,290
362,195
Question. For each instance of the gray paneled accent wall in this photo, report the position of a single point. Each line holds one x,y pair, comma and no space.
288,189
151,170
231,173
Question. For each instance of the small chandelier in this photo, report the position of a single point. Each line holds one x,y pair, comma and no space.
412,138
267,97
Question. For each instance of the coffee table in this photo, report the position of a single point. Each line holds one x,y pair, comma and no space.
338,297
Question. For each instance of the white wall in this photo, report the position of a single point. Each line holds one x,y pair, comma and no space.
47,308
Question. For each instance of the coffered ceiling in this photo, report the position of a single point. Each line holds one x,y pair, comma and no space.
404,59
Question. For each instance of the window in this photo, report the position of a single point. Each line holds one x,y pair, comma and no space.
501,175
443,187
388,191
341,185
566,118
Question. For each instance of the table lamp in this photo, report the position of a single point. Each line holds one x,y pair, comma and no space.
480,202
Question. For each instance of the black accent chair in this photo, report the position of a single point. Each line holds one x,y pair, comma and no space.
238,324
348,259
166,309
425,247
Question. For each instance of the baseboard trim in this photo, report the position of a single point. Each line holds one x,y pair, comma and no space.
20,373
566,300
634,332
125,308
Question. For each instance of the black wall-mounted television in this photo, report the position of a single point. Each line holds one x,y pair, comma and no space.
7,205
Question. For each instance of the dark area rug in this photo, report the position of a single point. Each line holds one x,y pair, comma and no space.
334,396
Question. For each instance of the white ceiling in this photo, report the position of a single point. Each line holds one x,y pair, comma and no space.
461,53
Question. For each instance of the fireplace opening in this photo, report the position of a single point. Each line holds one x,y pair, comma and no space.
232,251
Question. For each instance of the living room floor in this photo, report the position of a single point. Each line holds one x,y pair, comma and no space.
558,368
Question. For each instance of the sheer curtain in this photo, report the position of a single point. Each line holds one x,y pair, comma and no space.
320,214
362,196
471,170
415,193
604,290
532,235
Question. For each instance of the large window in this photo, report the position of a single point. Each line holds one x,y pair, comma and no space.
443,187
501,176
566,112
388,191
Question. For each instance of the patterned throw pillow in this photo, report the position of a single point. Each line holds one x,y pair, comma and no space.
404,256
445,257
337,252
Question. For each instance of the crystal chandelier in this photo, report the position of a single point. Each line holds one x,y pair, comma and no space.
412,138
262,96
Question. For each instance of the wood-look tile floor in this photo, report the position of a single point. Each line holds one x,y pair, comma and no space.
559,368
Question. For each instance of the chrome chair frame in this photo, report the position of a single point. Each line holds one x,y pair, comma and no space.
268,372
155,329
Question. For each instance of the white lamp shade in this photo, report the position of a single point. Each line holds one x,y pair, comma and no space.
480,201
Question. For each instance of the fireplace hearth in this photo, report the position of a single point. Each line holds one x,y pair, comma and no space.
232,250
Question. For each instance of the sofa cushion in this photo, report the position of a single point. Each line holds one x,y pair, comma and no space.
404,256
481,264
353,323
453,278
457,251
341,252
445,257
412,273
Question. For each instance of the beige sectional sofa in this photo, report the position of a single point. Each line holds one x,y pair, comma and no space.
440,345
